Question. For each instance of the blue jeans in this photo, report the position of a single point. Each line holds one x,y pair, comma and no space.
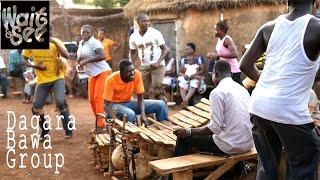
131,109
40,95
3,83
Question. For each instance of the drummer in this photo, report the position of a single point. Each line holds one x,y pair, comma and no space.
120,86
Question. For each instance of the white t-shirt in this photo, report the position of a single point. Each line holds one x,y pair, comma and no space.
2,65
148,46
86,50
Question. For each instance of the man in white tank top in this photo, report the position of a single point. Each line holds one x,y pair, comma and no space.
279,103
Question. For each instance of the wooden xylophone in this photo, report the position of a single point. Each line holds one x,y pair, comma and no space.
155,142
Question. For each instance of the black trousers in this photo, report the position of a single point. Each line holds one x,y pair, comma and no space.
301,147
202,143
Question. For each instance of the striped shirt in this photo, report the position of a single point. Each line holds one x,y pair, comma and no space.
230,119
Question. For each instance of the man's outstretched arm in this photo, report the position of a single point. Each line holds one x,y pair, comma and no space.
257,48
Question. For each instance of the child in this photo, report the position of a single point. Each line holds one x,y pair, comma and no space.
30,81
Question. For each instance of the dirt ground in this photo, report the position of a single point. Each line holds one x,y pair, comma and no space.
77,156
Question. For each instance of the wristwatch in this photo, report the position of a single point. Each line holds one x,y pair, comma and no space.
188,131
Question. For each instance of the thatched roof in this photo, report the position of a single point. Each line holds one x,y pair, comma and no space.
150,6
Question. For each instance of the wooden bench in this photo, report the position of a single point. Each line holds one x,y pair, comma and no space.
181,167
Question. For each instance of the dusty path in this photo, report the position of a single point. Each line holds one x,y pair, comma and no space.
77,156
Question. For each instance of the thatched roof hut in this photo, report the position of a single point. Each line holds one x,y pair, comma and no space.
177,6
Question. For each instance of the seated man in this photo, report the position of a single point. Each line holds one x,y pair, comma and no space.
119,87
15,65
229,130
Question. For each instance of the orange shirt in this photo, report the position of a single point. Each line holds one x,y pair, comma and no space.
117,91
107,43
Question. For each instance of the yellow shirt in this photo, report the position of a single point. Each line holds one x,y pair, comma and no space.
48,58
261,59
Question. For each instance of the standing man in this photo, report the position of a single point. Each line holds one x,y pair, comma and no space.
151,48
279,103
109,45
49,77
119,88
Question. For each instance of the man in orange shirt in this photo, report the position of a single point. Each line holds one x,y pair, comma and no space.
109,46
119,87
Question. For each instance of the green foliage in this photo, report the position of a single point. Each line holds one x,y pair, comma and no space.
79,1
107,4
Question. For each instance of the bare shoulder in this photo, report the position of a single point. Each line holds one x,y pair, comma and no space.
228,41
314,27
265,31
268,25
267,28
312,39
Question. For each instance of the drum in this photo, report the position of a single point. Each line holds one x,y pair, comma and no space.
117,158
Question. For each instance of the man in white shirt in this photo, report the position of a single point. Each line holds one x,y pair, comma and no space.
279,102
3,78
229,130
148,44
